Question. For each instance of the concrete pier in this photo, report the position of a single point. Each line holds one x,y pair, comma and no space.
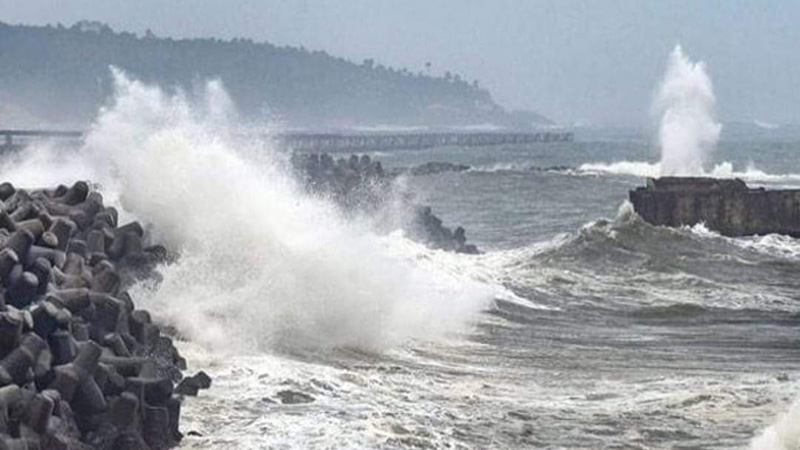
727,206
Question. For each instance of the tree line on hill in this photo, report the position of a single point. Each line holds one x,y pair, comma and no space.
60,75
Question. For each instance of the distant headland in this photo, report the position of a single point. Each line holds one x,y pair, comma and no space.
59,75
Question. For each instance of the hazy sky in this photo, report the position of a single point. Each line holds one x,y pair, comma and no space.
575,61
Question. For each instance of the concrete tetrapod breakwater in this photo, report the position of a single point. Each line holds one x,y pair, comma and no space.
80,366
359,184
727,206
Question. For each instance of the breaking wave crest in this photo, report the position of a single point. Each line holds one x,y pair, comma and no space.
627,264
521,168
721,170
634,168
262,265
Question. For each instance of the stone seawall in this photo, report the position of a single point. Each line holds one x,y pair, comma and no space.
727,206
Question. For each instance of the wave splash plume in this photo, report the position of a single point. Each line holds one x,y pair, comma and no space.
688,131
261,265
784,434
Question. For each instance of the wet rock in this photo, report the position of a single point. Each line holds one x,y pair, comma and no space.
188,386
6,190
192,385
10,331
399,429
203,380
156,428
289,397
15,367
429,229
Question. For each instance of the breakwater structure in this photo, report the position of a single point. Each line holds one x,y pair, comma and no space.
359,184
727,206
343,141
81,367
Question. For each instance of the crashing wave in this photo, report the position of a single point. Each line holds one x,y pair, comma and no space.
784,434
262,265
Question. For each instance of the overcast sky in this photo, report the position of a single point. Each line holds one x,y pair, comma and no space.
587,61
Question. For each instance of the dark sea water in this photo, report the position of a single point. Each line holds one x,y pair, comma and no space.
609,332
578,327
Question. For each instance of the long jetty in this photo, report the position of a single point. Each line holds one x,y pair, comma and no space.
8,136
322,142
349,141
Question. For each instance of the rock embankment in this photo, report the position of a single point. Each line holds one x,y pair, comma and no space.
359,183
355,183
427,228
80,366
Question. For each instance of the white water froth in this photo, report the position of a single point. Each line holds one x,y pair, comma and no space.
722,170
501,167
688,131
261,264
784,434
635,168
773,245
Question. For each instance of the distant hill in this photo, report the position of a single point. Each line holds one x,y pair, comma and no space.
58,76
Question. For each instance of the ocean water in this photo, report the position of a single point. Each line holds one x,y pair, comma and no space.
619,334
579,327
